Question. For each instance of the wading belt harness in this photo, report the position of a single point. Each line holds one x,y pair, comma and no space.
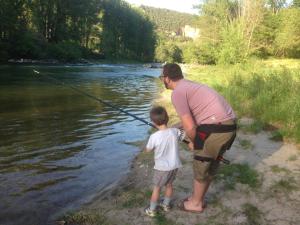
202,133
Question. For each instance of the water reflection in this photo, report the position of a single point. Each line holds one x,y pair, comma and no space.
58,148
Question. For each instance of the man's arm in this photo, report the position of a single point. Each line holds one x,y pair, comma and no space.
189,126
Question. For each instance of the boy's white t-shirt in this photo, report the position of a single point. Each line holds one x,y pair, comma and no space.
165,146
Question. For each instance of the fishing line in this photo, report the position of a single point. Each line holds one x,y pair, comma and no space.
97,99
93,97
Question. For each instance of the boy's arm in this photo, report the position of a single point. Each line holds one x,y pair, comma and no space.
177,125
147,149
149,146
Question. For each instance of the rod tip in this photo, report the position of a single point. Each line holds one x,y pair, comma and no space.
35,71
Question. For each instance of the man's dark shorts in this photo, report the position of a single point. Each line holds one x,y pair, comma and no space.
203,170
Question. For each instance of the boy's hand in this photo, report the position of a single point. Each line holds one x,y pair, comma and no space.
191,146
177,125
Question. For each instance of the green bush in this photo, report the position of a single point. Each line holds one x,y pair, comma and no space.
4,55
287,40
203,53
65,51
232,49
168,52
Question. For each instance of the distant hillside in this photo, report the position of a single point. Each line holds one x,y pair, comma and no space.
168,20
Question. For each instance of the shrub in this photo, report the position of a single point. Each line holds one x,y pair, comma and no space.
232,49
65,51
168,52
203,53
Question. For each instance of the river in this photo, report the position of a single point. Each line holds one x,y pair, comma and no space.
58,148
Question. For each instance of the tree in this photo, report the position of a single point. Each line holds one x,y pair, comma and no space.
230,25
287,40
276,5
296,3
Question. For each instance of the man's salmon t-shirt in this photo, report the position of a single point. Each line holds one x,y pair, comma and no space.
203,103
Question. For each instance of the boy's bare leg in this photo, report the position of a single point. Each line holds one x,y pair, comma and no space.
155,194
169,191
196,202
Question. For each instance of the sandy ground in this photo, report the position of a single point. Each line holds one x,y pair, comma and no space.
233,198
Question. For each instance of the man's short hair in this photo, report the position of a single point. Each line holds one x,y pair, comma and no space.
159,115
173,71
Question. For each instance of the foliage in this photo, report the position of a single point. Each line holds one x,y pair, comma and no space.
233,46
239,29
168,20
65,51
127,33
168,52
203,53
112,28
287,40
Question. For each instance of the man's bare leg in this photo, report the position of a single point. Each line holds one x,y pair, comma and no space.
196,202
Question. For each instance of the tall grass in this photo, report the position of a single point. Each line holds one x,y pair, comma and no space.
267,91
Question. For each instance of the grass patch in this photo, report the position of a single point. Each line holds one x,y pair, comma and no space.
253,128
246,144
293,158
277,169
276,136
80,218
285,185
145,157
211,221
254,216
134,198
160,219
238,173
223,214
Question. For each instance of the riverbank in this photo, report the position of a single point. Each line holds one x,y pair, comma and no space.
261,186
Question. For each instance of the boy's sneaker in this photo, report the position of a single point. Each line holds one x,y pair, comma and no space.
150,212
165,207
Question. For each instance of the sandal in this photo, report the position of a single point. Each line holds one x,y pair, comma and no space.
182,208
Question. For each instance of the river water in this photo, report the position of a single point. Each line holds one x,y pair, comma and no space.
58,148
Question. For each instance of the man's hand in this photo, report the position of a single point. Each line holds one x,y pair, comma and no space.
189,126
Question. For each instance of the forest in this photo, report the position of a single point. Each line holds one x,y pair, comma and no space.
231,31
71,29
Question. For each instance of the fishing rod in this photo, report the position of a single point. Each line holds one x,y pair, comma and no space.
110,105
95,98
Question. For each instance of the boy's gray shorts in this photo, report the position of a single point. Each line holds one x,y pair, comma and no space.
162,178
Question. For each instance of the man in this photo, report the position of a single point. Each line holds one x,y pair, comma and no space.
208,121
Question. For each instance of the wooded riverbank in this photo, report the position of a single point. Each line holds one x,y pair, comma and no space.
261,186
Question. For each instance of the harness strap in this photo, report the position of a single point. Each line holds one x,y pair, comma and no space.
208,159
203,158
216,128
204,130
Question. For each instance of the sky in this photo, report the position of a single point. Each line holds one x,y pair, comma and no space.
178,5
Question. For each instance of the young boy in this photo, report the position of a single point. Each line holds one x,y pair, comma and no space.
164,143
